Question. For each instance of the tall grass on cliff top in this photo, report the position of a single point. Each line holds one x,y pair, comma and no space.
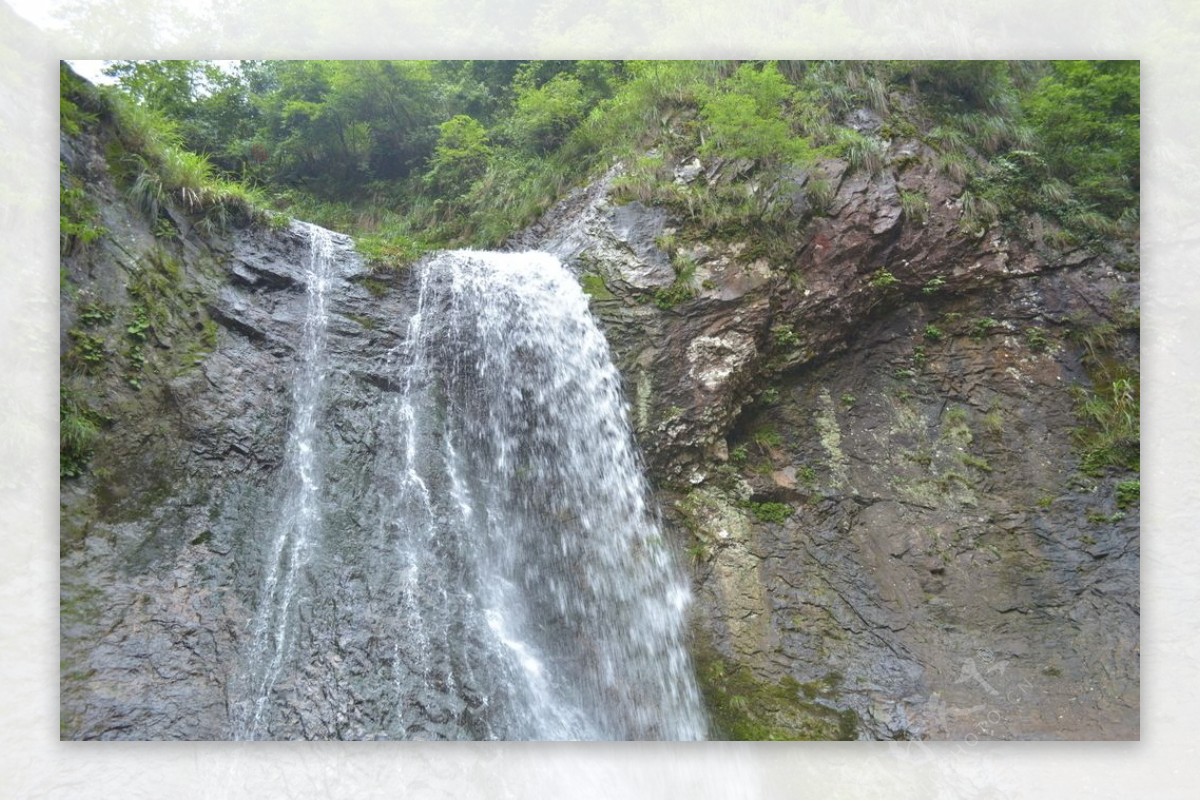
163,171
159,170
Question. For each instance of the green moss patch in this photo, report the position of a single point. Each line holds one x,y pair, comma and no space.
745,707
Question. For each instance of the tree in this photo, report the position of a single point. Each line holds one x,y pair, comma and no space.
460,157
544,115
1088,115
745,118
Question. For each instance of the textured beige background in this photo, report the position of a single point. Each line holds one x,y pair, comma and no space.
1164,34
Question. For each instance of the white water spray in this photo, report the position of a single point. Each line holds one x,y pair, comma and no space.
534,568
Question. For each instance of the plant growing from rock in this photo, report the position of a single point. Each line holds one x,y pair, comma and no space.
914,206
882,279
933,285
78,220
1110,435
78,427
981,327
1129,493
738,456
1036,339
768,511
785,336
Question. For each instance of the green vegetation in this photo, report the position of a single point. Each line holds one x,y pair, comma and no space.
1129,493
981,327
94,314
976,462
150,156
993,422
767,438
1109,436
679,291
78,219
78,426
422,154
1087,115
785,336
956,416
1097,517
933,285
768,511
914,206
864,153
87,352
1036,339
745,707
882,279
593,286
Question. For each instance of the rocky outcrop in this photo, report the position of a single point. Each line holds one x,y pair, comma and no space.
866,447
182,347
863,446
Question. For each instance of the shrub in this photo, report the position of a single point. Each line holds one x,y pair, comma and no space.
744,116
1087,116
544,115
460,156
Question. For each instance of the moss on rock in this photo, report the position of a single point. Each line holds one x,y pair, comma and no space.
743,706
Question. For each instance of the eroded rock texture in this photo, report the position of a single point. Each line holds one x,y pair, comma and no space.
181,344
866,447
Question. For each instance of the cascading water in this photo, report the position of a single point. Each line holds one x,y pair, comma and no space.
533,577
487,564
299,520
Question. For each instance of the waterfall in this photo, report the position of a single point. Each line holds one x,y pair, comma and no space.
533,568
299,518
490,566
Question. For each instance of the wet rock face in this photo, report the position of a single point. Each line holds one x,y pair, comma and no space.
162,534
863,450
867,454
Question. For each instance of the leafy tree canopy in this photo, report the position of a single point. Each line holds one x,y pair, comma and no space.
466,151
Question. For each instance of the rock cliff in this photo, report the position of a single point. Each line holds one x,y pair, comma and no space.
867,447
863,446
